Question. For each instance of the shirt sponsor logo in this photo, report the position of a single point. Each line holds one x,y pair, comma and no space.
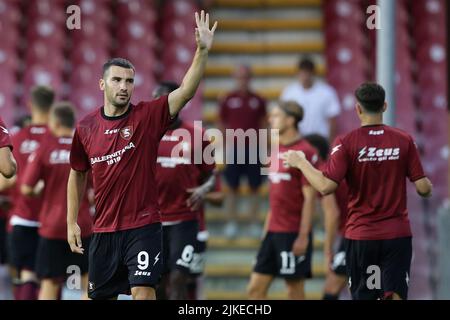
378,154
126,133
28,146
169,162
111,131
113,157
143,273
277,177
60,157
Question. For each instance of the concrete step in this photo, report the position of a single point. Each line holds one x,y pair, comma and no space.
258,47
281,58
269,24
269,93
258,70
277,36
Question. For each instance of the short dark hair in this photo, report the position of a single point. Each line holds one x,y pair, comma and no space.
65,113
293,109
371,96
165,87
42,97
320,143
307,64
119,62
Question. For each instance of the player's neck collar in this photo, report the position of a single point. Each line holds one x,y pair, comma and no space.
124,115
373,125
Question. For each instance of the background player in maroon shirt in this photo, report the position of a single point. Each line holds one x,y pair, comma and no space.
334,208
182,187
375,161
25,211
50,163
119,144
242,109
286,250
8,164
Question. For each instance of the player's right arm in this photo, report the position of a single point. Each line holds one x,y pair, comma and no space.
415,171
75,192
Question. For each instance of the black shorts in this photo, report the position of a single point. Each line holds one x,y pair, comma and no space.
198,262
179,242
275,257
234,172
3,244
338,264
23,244
119,261
54,257
378,268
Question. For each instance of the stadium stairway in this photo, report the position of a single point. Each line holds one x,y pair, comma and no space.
269,36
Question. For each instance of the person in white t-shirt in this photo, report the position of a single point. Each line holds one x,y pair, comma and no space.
319,100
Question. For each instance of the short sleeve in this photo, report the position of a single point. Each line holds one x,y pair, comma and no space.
34,169
159,115
415,169
333,105
5,140
338,162
79,160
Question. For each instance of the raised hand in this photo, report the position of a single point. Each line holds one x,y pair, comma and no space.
203,35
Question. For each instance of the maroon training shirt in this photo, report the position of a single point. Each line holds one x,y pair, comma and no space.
26,141
286,194
175,174
242,111
375,162
122,151
50,162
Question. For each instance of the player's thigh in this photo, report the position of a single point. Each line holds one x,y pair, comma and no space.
24,244
290,266
108,277
143,255
259,284
363,266
395,266
183,244
267,257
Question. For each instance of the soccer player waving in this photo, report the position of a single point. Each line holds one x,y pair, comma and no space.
375,161
119,143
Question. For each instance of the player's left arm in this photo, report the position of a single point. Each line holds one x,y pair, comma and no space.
204,37
198,194
32,185
309,204
322,184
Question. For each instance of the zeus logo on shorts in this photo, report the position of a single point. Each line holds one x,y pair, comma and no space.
378,154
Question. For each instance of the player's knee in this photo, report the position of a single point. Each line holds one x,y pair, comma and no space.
295,290
255,291
143,293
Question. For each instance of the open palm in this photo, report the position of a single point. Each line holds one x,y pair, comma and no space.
203,35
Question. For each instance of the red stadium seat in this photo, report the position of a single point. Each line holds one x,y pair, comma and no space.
141,57
47,30
9,12
86,100
88,53
178,31
136,31
344,9
429,30
136,10
93,32
432,53
38,52
53,10
84,75
429,10
8,61
7,97
345,54
179,9
96,9
144,83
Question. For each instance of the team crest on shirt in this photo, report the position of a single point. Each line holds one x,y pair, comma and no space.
126,133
